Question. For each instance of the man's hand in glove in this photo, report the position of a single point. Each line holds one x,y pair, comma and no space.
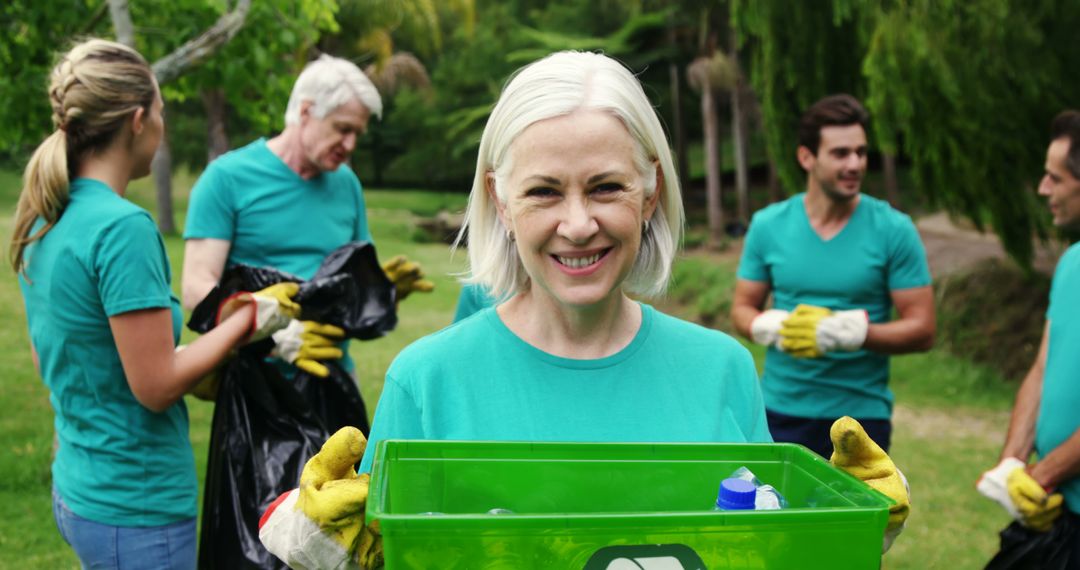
856,453
406,276
274,308
811,331
305,343
765,328
1010,486
320,526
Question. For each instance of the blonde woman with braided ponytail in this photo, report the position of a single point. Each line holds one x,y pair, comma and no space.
103,322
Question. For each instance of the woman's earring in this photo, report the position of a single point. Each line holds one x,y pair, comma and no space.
510,235
645,228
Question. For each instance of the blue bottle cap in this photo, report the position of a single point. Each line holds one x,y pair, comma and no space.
736,495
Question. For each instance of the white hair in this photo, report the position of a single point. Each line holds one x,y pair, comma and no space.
554,86
330,82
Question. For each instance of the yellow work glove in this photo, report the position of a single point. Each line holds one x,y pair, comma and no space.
1009,485
856,453
811,331
274,308
1038,509
320,525
305,343
406,276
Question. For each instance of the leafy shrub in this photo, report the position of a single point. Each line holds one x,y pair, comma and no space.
993,314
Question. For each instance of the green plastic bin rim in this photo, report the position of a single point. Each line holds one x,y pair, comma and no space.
387,451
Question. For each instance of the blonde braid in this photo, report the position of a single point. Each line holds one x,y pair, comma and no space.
92,91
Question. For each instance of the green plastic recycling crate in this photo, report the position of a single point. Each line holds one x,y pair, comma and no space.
608,506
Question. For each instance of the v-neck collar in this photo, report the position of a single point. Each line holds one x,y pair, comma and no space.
810,226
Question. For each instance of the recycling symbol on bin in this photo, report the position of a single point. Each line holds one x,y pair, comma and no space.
645,557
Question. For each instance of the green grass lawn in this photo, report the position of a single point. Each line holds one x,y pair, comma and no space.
951,414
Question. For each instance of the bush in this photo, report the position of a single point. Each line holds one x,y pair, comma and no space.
704,285
993,314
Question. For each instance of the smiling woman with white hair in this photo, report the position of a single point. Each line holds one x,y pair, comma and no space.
575,207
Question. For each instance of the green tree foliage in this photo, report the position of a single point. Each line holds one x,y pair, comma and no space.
431,137
31,33
799,52
967,89
964,89
255,71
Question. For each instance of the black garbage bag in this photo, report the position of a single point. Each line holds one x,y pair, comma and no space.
1026,549
267,426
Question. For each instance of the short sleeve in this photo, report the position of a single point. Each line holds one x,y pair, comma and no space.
1067,270
907,258
361,231
397,417
211,211
131,266
752,265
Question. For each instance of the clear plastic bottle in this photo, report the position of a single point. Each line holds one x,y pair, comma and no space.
736,495
765,497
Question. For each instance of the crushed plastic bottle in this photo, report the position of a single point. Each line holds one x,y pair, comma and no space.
766,497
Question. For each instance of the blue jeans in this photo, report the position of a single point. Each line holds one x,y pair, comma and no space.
105,546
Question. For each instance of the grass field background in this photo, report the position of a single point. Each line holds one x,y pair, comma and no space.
950,418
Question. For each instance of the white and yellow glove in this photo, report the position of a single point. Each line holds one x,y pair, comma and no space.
812,331
407,276
1010,486
856,453
320,525
765,328
305,343
274,308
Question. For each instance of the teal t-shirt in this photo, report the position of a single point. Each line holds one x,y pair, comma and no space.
473,298
117,463
1059,408
477,380
877,252
272,216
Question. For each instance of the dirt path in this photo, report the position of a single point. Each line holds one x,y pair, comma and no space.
929,423
950,247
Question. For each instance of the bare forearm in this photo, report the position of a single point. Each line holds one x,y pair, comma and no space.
194,290
157,374
1021,436
206,353
742,316
747,303
1060,465
900,337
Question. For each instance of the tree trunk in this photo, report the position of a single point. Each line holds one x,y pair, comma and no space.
192,52
678,133
738,135
892,189
121,19
217,137
712,167
775,194
162,171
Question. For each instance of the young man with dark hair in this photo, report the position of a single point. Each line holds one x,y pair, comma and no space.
836,263
1045,418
